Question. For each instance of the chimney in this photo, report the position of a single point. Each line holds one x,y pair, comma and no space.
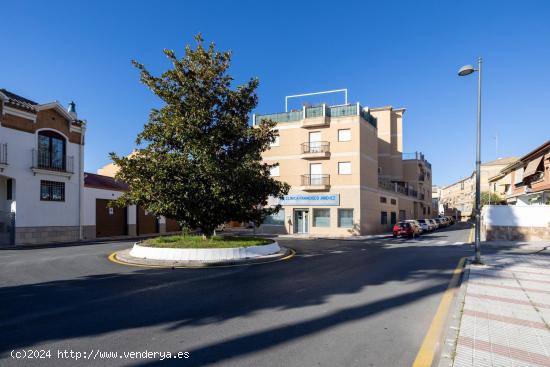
72,109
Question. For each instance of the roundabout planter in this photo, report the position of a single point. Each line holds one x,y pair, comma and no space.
204,254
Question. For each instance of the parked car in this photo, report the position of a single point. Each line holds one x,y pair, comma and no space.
417,224
425,225
440,222
406,228
434,223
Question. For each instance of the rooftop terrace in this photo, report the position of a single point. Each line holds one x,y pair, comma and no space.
319,111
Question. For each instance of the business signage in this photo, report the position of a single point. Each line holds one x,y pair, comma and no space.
311,200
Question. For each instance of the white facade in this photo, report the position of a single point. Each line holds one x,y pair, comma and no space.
33,218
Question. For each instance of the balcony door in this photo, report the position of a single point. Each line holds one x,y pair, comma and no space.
315,142
51,150
316,173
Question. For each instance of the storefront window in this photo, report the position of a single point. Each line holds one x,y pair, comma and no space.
276,219
345,218
321,217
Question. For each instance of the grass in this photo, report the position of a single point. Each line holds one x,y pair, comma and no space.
198,242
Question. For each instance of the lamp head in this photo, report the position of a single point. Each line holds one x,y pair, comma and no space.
466,70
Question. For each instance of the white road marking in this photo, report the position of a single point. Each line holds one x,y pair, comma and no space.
441,242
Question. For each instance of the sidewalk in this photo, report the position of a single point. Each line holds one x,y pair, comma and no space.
506,312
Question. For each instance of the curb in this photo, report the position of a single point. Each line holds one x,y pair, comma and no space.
123,258
450,335
430,350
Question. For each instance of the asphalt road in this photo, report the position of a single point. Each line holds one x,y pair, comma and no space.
336,303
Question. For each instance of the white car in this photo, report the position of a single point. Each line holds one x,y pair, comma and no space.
424,224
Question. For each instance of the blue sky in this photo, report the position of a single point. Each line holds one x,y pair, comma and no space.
404,54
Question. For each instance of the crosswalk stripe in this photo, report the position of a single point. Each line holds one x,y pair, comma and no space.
441,242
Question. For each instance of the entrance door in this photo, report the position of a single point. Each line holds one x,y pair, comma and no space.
109,221
316,173
315,142
301,221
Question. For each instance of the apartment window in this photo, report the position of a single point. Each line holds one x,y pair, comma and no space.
277,219
9,187
393,218
321,217
402,215
383,199
345,218
344,135
52,191
429,211
383,217
393,202
274,171
518,176
344,168
275,142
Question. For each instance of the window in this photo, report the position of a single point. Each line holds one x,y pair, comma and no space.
393,218
345,218
321,217
383,199
51,150
274,171
518,176
275,142
393,202
277,219
52,191
383,217
9,187
344,168
344,135
402,215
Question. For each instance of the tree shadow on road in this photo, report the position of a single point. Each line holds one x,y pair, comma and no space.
182,298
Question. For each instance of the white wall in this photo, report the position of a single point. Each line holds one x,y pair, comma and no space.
90,196
516,216
31,211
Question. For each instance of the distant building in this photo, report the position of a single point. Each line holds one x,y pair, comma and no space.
527,180
460,195
347,171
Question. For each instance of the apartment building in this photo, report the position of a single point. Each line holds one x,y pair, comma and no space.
347,171
525,181
460,196
41,159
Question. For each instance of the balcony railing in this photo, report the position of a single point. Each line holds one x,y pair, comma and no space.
315,180
44,159
418,156
316,147
4,153
319,111
397,187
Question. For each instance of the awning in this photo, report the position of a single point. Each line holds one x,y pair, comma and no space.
532,167
506,180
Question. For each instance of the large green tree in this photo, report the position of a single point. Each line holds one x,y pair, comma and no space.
199,160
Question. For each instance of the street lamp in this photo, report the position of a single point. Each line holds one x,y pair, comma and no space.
467,70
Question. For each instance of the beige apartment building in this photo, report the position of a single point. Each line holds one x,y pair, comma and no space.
347,171
459,196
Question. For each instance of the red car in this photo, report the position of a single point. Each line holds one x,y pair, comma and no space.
405,229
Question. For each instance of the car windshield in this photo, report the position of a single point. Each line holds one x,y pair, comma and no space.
422,221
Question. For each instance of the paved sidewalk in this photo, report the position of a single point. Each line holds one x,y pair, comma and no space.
506,313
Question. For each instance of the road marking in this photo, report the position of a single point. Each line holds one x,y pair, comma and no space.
441,242
459,243
112,257
427,351
471,236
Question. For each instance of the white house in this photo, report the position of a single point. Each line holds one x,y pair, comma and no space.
41,171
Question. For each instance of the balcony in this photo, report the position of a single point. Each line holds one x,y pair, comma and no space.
316,182
315,150
3,156
417,156
45,161
318,116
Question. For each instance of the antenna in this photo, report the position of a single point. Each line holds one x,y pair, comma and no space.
316,93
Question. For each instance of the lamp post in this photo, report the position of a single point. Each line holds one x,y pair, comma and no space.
467,70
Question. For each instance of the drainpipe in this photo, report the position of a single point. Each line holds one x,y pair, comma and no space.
80,181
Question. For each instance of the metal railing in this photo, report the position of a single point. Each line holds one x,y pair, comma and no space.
398,187
44,159
315,180
418,156
316,147
4,153
281,117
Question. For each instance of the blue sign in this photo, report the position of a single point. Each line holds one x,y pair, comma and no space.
311,200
